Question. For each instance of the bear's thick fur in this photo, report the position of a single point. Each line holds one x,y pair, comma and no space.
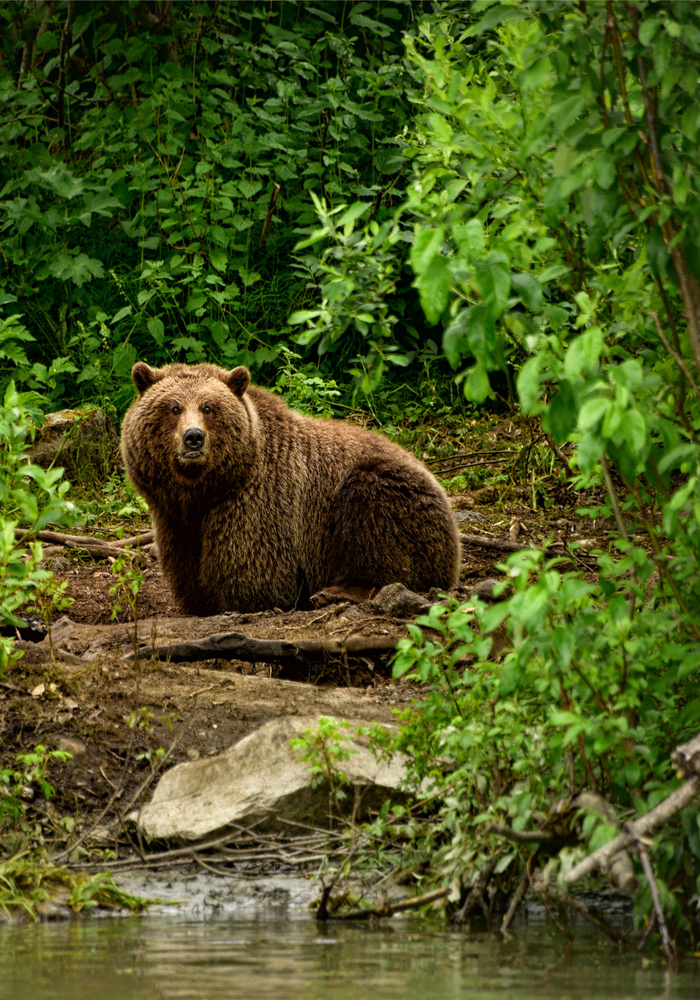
255,506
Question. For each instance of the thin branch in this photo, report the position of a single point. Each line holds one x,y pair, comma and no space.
645,826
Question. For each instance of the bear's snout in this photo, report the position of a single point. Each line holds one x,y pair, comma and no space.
193,438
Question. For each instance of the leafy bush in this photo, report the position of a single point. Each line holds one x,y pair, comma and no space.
157,164
31,498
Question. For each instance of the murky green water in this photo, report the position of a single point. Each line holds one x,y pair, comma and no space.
166,957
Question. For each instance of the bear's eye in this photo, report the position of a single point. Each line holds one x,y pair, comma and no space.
206,409
175,409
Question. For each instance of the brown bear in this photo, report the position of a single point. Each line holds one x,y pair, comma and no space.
255,506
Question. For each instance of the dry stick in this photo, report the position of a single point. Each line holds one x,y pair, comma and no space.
645,826
237,646
507,545
389,909
669,950
468,454
467,465
268,218
476,893
96,545
515,901
674,354
526,836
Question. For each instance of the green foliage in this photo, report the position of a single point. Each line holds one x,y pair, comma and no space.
127,586
324,747
27,883
304,387
31,769
157,164
31,499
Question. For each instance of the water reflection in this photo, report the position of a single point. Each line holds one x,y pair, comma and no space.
152,957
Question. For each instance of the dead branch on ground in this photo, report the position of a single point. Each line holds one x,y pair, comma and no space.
96,546
237,646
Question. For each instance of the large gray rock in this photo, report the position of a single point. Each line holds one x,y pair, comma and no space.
260,780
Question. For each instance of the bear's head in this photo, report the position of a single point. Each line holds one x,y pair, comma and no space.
193,422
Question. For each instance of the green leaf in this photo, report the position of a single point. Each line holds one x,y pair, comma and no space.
529,382
426,244
156,328
470,238
304,316
477,387
493,279
454,339
583,354
249,188
592,412
441,129
529,291
434,288
559,419
604,171
634,431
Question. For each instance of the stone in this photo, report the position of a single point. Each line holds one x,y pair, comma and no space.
84,442
261,781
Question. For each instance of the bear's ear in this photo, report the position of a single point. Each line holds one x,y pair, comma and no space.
144,376
237,380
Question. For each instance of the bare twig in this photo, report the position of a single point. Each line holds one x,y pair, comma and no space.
526,836
389,909
268,218
515,901
669,950
645,826
475,896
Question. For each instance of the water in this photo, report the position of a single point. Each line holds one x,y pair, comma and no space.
174,958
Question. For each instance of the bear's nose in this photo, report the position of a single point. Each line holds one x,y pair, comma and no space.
193,438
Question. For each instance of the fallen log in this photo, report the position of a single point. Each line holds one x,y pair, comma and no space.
237,646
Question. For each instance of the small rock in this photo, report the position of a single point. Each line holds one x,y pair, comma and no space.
70,744
83,441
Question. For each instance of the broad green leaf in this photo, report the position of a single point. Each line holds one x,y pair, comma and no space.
434,288
614,415
454,339
304,315
583,354
493,279
592,412
529,290
634,431
470,238
249,188
442,130
529,382
477,387
559,419
352,214
156,328
426,244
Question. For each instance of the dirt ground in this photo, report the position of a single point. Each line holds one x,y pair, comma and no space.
119,717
